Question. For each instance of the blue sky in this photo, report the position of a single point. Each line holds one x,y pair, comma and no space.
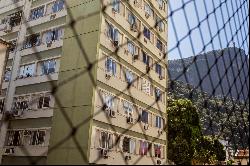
186,18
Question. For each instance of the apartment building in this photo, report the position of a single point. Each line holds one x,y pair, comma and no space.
115,113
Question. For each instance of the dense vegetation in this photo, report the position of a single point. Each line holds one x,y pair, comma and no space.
186,142
221,117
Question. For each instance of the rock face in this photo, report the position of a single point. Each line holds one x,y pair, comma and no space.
219,72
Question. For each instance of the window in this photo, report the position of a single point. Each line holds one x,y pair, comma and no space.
129,77
13,46
158,150
128,145
144,117
44,101
14,138
37,13
15,19
21,103
128,108
158,69
27,71
110,66
116,6
108,100
26,137
158,94
58,6
161,4
53,35
106,140
11,21
113,34
131,48
147,87
32,41
159,45
146,32
158,122
144,146
132,20
148,10
146,59
159,24
7,75
1,105
37,137
49,67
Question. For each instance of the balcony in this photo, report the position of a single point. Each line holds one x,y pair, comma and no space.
36,79
42,47
25,151
34,114
48,18
8,5
119,158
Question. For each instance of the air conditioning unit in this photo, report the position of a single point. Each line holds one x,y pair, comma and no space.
136,56
160,29
104,153
147,69
115,43
146,127
107,76
160,132
49,44
9,151
133,27
128,158
126,51
18,113
130,120
160,77
106,108
147,15
53,16
158,162
112,113
114,11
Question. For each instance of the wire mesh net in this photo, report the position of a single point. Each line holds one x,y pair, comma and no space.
206,59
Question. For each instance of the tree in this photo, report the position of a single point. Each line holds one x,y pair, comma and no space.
209,151
186,142
184,131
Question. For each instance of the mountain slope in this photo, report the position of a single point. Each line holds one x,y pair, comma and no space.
223,72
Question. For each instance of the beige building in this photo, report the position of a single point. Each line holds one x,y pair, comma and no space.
126,43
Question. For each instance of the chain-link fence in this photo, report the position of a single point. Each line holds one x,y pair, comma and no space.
207,62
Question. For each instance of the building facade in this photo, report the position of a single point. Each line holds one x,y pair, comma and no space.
52,93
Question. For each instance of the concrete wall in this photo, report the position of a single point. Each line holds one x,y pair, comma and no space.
76,94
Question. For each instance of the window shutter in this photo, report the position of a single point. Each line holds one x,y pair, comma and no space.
120,142
97,138
110,141
114,67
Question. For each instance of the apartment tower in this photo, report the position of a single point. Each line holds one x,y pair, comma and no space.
85,82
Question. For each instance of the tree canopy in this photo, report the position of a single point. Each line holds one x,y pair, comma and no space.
185,139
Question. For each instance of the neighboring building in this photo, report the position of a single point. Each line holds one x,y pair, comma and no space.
241,157
45,54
